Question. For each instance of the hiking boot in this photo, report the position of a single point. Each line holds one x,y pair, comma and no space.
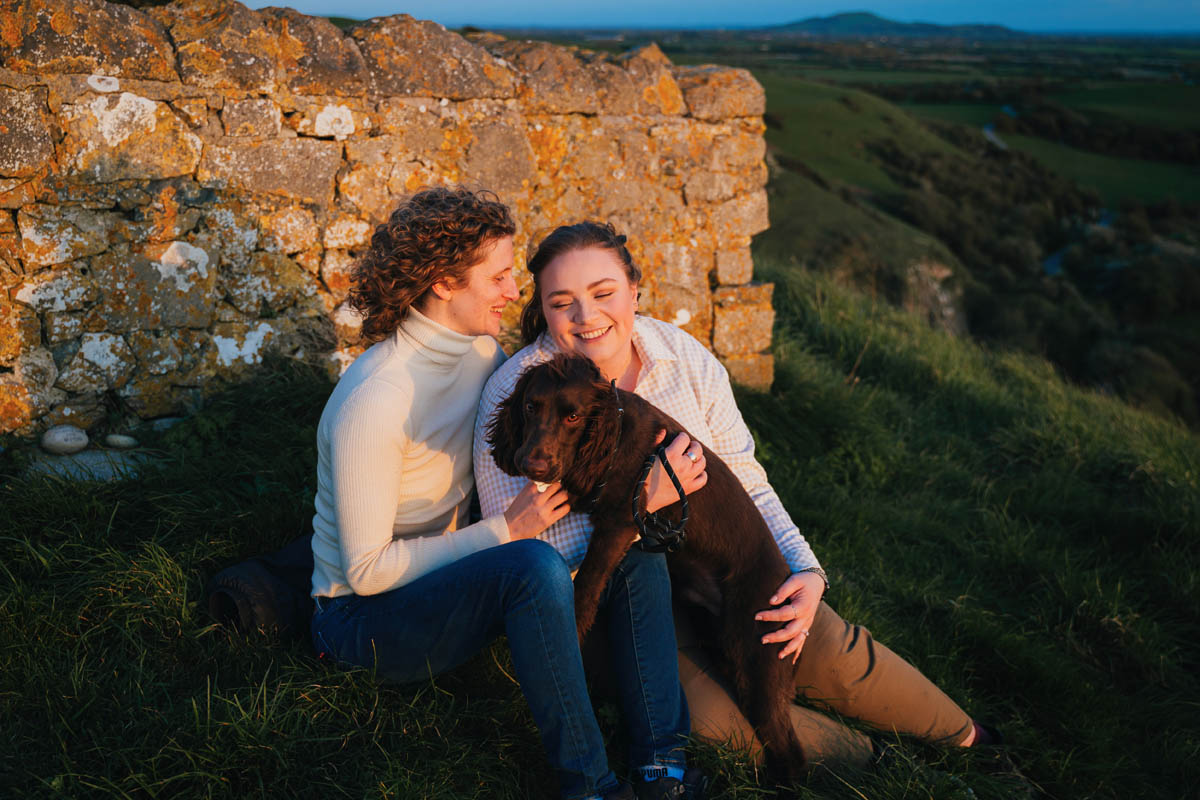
693,787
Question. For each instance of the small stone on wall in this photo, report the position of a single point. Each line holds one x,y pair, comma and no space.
27,143
256,116
756,370
742,319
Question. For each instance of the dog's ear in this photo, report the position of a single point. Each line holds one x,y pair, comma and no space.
506,429
599,442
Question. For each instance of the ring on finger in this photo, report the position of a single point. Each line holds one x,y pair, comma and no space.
693,457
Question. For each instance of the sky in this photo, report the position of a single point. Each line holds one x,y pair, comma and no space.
1160,16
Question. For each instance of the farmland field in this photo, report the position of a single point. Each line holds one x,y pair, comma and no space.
1172,106
1115,178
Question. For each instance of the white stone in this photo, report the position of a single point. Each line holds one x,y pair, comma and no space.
346,232
342,359
347,321
178,262
103,361
64,440
103,83
249,350
335,121
62,290
131,114
120,441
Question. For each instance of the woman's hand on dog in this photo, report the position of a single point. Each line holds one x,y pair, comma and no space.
531,511
660,492
795,604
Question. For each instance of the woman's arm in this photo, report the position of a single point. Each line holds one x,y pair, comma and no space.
366,446
796,601
733,442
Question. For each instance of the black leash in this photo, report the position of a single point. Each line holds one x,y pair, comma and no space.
659,533
616,447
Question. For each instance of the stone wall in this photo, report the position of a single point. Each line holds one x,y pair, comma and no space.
186,186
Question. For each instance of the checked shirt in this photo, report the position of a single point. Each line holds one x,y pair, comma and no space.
683,379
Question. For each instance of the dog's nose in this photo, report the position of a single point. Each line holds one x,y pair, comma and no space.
535,466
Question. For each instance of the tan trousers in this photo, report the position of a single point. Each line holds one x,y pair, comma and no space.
841,668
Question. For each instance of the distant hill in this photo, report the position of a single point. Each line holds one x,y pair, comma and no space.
865,24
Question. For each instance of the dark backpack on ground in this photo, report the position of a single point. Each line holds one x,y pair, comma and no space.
268,593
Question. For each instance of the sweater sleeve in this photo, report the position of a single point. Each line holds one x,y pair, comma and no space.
733,442
496,489
367,453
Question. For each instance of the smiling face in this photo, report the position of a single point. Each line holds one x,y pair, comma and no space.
589,305
474,306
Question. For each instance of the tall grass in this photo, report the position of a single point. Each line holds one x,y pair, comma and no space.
1029,545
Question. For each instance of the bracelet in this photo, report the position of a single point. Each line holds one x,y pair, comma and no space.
819,572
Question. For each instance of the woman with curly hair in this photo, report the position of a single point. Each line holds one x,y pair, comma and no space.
403,581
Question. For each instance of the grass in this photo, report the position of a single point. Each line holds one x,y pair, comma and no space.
1029,545
829,127
855,242
1115,178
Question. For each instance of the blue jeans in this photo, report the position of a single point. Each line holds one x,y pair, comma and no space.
523,590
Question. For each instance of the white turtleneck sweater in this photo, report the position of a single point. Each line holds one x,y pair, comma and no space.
394,477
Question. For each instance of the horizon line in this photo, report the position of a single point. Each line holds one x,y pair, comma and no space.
1186,34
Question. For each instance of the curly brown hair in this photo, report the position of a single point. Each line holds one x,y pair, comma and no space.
565,239
435,235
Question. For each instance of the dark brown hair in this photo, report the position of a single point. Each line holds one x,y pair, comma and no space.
435,235
562,240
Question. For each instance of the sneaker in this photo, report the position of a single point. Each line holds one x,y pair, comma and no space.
693,787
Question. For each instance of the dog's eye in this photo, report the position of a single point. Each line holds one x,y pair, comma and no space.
572,418
529,407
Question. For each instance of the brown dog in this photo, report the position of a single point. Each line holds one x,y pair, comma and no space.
562,424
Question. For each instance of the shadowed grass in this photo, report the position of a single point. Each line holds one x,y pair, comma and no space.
1030,546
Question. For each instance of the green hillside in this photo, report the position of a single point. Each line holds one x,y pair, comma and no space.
863,190
829,127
